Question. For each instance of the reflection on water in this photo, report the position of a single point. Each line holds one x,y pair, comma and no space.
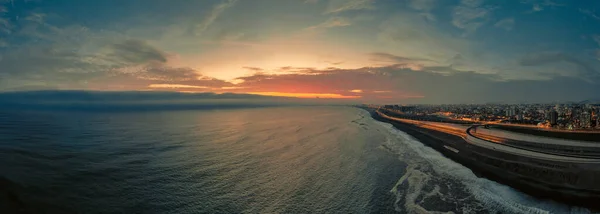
264,160
229,161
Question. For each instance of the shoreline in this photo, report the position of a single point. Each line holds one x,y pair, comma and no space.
438,141
580,134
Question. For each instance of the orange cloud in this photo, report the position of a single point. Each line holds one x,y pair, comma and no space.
305,95
175,86
365,84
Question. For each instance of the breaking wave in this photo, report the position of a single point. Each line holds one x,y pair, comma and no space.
433,183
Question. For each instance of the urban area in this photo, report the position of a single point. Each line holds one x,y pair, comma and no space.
584,117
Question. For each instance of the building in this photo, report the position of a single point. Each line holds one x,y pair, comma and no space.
553,117
511,112
520,117
574,116
585,120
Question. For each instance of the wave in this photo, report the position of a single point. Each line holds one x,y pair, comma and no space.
433,183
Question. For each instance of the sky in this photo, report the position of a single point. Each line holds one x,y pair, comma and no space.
374,51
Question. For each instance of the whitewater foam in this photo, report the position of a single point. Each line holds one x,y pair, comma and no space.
426,167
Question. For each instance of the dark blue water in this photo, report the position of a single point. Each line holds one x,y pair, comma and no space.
262,160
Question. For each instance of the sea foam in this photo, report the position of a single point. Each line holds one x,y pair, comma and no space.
428,170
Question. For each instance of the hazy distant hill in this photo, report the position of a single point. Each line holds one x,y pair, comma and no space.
596,101
132,100
143,100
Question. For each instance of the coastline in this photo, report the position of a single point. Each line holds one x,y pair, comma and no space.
438,141
579,134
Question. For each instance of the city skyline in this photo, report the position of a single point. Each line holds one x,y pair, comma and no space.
354,51
570,116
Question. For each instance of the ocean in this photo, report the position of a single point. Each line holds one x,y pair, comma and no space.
242,160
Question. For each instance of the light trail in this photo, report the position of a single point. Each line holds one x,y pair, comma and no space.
461,132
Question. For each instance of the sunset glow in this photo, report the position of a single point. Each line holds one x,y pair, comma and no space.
174,86
305,95
299,106
412,51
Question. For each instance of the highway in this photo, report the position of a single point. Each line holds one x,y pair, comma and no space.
567,153
454,129
551,149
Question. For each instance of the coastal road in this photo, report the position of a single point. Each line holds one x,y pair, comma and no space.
567,153
563,152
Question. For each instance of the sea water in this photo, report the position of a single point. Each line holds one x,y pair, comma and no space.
245,160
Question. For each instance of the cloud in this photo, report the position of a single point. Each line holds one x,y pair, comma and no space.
596,39
387,57
451,89
36,17
506,24
168,74
587,70
330,23
70,58
158,77
133,51
339,6
297,70
539,5
162,75
431,85
470,15
414,38
422,5
448,69
343,82
176,86
42,50
252,68
589,13
334,63
213,15
471,87
410,36
46,68
5,26
232,36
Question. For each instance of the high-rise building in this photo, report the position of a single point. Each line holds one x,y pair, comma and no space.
511,112
585,120
574,116
553,117
519,117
